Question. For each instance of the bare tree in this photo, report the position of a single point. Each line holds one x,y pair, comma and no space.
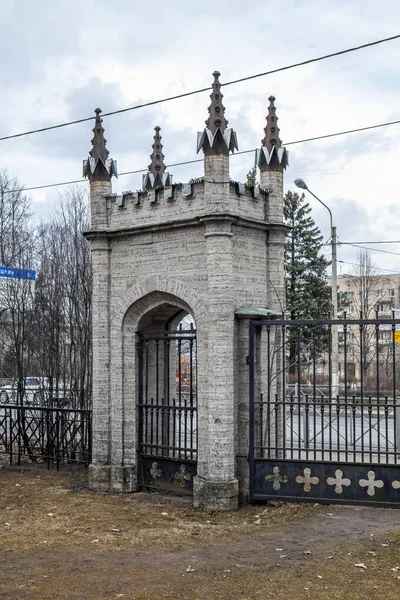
363,298
63,302
17,250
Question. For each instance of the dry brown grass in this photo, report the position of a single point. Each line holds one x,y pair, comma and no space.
59,540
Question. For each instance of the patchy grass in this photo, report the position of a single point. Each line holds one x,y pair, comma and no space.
59,540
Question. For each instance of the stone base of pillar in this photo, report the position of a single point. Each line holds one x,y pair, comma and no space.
215,495
113,478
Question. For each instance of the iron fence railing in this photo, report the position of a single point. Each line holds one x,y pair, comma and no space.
49,435
297,428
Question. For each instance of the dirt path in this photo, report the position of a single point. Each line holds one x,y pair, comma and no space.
62,541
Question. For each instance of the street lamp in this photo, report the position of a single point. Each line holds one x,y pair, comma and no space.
300,183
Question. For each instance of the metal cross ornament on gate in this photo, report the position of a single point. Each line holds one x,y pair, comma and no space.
338,481
155,471
370,483
277,478
307,480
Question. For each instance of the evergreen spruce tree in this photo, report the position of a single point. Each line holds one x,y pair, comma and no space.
308,295
251,178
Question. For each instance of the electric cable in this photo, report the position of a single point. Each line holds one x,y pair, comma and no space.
198,160
371,249
206,89
359,265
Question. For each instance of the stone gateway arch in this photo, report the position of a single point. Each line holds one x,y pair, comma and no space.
178,271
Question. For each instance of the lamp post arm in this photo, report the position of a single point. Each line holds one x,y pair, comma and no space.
323,204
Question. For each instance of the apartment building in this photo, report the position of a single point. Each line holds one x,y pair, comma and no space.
367,350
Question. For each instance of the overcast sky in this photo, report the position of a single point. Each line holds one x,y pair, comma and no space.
60,60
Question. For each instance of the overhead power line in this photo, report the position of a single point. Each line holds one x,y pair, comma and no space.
189,162
375,242
359,265
192,93
372,249
329,135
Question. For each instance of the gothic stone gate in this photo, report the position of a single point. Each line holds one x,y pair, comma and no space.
168,410
316,439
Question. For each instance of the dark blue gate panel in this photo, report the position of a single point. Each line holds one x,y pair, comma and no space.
338,483
168,475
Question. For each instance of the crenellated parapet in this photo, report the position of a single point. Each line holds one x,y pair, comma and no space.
181,202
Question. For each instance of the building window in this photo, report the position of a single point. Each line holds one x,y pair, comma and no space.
349,295
378,293
392,292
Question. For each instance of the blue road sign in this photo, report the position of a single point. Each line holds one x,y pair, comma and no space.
15,273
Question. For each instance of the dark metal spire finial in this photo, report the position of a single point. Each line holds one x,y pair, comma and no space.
157,166
157,175
272,156
271,130
99,149
216,120
216,137
99,167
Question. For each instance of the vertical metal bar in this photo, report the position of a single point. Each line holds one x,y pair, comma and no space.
180,371
291,425
346,431
261,425
299,386
157,371
396,401
251,404
146,390
167,362
377,358
322,409
306,426
386,408
58,418
168,440
338,431
186,415
361,330
330,398
157,426
21,421
180,426
268,415
141,399
283,408
370,427
151,424
191,368
90,429
362,430
174,427
353,408
378,428
314,368
330,362
48,438
276,407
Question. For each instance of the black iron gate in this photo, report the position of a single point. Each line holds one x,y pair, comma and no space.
168,410
318,437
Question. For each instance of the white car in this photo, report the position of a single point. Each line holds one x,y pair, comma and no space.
35,392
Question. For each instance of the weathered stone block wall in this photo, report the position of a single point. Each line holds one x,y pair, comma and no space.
208,254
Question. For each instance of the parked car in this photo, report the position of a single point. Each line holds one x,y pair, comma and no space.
35,390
